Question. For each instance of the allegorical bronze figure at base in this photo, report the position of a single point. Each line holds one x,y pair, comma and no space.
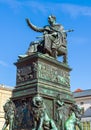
9,109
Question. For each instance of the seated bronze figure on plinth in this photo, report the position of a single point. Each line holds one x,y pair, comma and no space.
53,41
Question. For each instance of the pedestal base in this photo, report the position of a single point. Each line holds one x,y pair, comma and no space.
42,76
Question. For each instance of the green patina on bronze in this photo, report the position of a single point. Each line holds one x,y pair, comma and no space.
42,96
9,109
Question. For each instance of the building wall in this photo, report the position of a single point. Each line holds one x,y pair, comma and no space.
83,99
85,102
5,93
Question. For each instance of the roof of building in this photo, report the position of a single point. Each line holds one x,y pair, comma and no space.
4,87
83,93
78,90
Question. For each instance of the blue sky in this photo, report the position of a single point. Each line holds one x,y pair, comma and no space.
15,35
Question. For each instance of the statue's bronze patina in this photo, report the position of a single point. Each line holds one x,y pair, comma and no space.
53,41
42,99
41,119
9,109
74,118
61,112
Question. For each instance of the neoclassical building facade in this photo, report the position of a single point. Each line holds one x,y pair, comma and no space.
83,99
5,94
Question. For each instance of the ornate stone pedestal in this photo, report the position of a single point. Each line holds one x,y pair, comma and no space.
45,77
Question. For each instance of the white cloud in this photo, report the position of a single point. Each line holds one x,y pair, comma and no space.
2,63
45,7
72,9
75,10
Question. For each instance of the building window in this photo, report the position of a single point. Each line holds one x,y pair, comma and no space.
81,103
